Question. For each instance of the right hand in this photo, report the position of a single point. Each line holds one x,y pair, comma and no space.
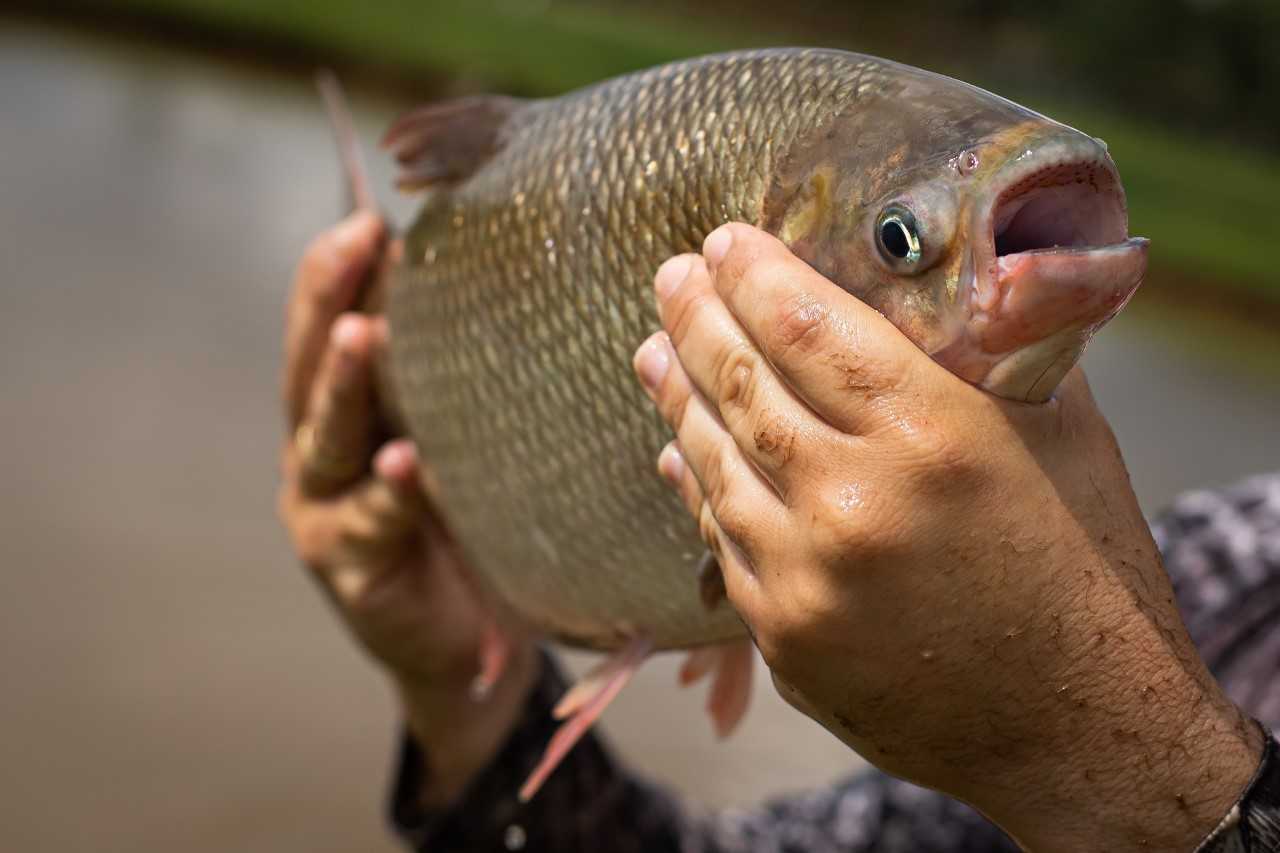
961,588
360,521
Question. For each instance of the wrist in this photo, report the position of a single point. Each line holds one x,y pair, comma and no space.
1153,761
459,735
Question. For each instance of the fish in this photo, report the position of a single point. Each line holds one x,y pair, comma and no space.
993,237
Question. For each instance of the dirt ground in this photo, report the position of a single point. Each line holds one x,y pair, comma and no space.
171,679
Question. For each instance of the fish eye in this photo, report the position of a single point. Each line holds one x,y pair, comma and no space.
899,236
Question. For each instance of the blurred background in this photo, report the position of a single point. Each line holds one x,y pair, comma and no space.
171,679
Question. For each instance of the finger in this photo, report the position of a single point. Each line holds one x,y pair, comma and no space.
726,474
730,489
773,429
837,353
333,443
396,462
742,584
378,523
326,284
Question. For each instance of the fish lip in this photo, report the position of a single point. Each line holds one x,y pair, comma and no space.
1051,261
1060,194
1127,243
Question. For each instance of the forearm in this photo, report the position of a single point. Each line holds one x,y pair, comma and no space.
1133,744
460,735
590,802
1157,780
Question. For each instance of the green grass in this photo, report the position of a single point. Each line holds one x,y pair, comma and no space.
1211,209
535,51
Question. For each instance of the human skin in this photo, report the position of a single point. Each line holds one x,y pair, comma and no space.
360,523
961,588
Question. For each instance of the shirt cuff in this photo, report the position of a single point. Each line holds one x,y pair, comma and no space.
1253,824
488,815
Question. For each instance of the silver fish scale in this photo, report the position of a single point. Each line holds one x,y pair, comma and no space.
526,290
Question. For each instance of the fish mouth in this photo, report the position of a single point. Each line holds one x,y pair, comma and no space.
1058,264
1070,206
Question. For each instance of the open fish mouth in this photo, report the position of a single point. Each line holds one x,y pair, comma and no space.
1060,249
1059,264
1069,206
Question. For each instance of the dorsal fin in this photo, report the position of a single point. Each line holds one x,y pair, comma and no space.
445,143
344,133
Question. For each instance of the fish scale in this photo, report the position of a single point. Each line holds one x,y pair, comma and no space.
512,356
526,286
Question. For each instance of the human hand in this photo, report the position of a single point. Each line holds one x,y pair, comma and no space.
961,588
359,520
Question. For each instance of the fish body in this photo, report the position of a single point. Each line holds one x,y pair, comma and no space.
993,237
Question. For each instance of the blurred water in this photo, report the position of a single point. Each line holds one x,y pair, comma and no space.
171,681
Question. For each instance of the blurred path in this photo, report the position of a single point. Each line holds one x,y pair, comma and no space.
171,681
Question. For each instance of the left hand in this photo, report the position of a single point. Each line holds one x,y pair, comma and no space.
960,587
361,524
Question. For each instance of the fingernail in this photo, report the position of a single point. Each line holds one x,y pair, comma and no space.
717,244
671,274
346,332
671,464
652,361
393,461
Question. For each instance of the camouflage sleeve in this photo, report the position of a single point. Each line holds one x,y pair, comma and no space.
1222,549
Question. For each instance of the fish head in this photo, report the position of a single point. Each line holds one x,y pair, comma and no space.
993,237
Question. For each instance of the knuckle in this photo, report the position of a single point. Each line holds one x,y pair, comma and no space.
682,311
775,436
738,524
938,462
734,372
715,471
673,402
798,325
840,531
736,266
360,531
314,545
855,373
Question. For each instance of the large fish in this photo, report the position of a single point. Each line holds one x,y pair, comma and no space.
993,237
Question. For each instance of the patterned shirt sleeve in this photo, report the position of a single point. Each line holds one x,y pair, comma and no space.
1222,549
